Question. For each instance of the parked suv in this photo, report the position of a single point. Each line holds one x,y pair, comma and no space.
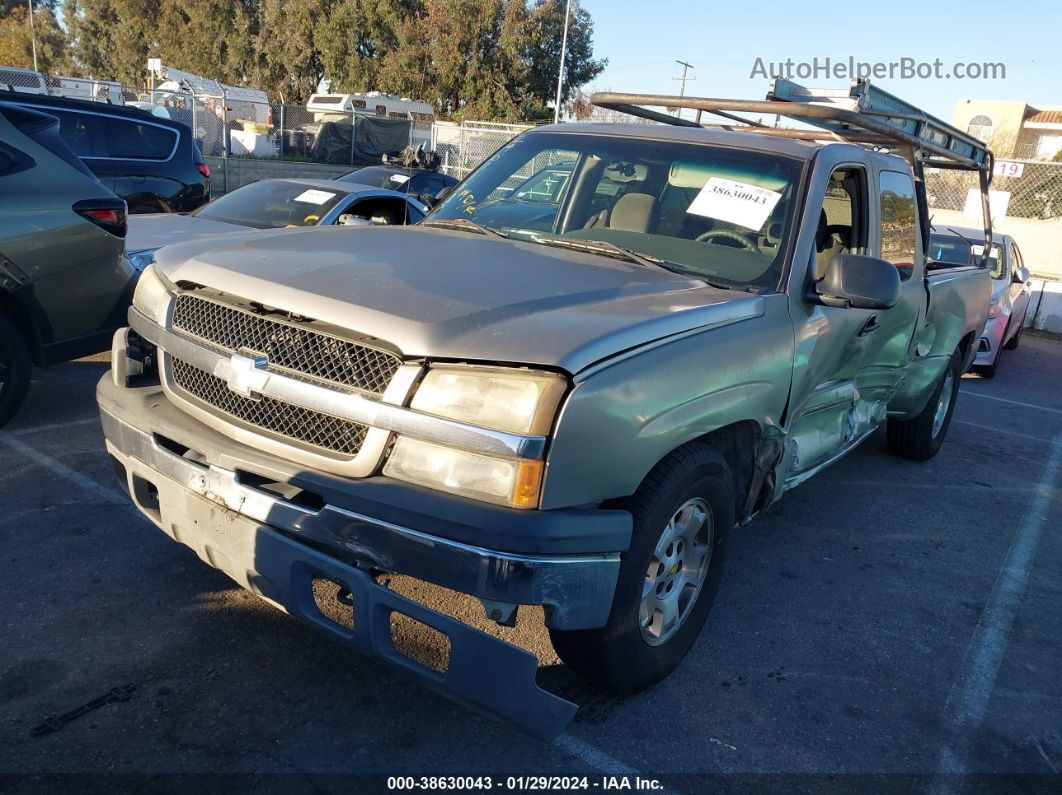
151,162
64,282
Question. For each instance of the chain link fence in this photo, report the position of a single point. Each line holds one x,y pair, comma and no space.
1034,191
462,147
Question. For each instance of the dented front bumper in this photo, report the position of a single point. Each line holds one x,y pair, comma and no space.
276,548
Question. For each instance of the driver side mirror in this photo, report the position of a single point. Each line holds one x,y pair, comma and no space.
1021,275
858,282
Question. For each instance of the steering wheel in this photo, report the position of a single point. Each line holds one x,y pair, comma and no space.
711,235
311,219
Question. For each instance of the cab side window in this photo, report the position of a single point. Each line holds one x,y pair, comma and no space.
898,221
842,218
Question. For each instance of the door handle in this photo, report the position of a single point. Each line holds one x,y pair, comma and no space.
871,325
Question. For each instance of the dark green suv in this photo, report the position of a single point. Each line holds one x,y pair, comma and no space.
64,282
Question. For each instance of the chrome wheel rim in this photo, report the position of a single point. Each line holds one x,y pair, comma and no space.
943,403
676,571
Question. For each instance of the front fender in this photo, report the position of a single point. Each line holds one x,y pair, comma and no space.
627,414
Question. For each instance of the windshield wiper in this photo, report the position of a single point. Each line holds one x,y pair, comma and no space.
637,257
464,225
602,247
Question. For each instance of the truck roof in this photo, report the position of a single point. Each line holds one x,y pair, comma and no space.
662,132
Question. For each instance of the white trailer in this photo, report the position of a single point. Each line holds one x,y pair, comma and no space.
230,103
340,107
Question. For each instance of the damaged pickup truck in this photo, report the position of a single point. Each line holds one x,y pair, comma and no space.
564,391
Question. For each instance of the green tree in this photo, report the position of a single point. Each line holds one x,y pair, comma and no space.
16,38
287,60
544,46
354,38
212,38
466,57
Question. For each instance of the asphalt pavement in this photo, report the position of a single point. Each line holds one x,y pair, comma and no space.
888,619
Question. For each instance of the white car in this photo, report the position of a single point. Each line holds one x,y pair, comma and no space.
1010,288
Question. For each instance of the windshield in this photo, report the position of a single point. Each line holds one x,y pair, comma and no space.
378,177
712,212
272,204
954,250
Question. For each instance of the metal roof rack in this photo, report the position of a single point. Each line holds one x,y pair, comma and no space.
863,114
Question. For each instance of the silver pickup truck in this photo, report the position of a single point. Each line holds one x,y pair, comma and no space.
603,351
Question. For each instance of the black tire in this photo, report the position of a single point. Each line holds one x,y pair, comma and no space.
142,209
915,438
618,655
1012,343
16,368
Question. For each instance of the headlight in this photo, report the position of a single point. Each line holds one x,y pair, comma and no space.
153,291
501,481
141,259
517,401
502,399
994,309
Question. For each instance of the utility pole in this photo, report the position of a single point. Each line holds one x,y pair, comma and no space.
564,49
682,91
33,34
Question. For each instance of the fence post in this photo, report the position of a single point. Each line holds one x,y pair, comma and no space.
281,126
225,138
195,130
352,123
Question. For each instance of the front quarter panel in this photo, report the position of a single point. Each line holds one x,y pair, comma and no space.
628,413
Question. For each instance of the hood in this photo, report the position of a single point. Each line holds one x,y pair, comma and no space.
163,229
457,295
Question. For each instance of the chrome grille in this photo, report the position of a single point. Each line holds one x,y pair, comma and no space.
288,346
321,431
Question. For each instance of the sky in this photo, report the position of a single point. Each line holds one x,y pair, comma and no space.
643,38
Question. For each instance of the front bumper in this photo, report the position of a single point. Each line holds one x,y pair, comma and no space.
212,514
273,546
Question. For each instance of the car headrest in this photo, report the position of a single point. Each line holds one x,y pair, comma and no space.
632,212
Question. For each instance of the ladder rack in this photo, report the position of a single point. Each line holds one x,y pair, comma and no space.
863,114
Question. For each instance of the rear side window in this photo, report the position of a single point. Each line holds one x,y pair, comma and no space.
80,131
128,138
898,221
43,129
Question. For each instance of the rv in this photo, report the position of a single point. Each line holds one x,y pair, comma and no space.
341,107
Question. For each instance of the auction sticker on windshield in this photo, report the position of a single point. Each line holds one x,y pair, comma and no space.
735,202
312,196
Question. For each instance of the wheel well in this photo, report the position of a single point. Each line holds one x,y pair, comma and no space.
17,313
738,444
966,345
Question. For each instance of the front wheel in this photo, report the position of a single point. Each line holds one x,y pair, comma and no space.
683,514
921,437
15,368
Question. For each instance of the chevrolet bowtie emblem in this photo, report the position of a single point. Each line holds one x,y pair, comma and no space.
246,375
